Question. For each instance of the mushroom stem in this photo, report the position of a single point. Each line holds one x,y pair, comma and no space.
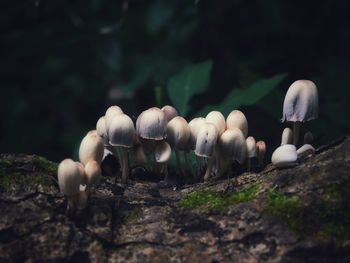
296,130
124,163
188,163
210,163
178,162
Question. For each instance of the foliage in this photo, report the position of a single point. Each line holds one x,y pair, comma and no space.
217,202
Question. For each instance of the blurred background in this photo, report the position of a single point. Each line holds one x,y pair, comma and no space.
62,63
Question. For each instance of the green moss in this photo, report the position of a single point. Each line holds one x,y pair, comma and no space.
322,219
217,202
46,165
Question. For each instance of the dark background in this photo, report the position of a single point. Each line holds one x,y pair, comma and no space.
62,63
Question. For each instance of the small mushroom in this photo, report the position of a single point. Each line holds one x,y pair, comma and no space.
121,135
308,138
300,105
261,148
92,172
162,154
178,134
170,112
206,141
91,148
285,156
101,130
216,118
251,152
305,148
287,136
236,119
69,180
195,124
111,112
231,147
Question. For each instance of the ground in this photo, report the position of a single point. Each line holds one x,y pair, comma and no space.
299,214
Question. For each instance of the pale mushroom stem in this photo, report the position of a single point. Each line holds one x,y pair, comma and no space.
188,163
178,162
296,130
210,163
124,163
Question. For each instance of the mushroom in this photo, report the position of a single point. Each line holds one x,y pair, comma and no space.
216,118
91,148
261,148
287,136
69,180
236,119
300,105
231,147
121,135
92,172
162,154
151,126
285,156
111,112
178,134
206,141
170,112
252,151
305,148
195,125
101,130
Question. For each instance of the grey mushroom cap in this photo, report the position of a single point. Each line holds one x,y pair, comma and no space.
285,156
162,152
206,140
232,145
178,133
301,102
152,124
122,131
170,112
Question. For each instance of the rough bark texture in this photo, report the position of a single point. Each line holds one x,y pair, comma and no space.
298,214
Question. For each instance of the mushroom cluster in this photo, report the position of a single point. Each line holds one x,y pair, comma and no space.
300,105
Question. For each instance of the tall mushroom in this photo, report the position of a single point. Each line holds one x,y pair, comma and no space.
300,105
121,135
261,149
287,136
170,112
206,141
252,152
91,148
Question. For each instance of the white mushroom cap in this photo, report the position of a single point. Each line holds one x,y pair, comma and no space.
251,147
261,148
93,172
305,148
111,112
102,129
287,136
170,112
195,125
284,156
121,131
178,133
69,177
216,118
308,138
162,152
91,148
236,119
301,102
232,145
206,140
82,172
151,124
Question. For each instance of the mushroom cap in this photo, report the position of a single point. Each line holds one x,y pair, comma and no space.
284,156
236,119
251,147
93,172
301,102
151,124
206,140
91,148
170,112
287,136
261,148
162,152
232,145
102,129
121,131
111,112
69,177
216,118
178,133
305,148
195,125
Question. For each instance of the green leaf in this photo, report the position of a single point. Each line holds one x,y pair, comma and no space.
248,96
191,80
